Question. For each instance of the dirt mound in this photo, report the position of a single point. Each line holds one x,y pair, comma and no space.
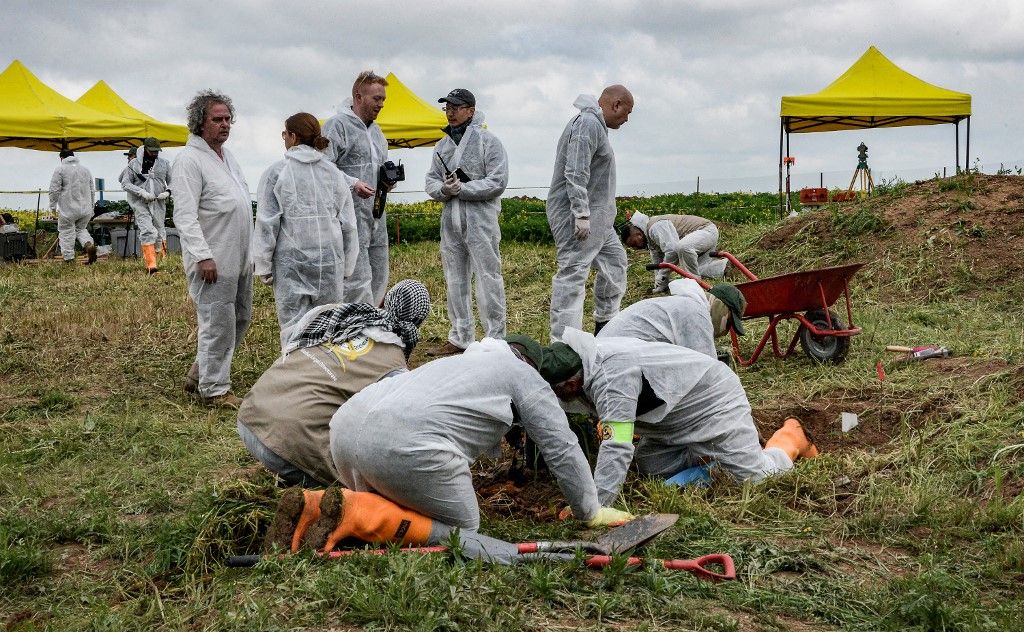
920,237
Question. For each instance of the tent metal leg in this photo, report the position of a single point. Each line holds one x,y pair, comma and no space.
956,127
967,154
782,131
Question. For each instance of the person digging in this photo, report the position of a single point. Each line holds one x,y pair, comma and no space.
687,408
403,450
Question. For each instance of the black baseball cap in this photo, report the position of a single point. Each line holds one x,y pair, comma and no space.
459,96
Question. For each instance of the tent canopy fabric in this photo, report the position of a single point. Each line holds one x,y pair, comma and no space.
35,116
102,98
407,120
874,92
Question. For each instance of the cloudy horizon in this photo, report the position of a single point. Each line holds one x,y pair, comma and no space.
707,76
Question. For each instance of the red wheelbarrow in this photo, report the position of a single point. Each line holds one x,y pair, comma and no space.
802,296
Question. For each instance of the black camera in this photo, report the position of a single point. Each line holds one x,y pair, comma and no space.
388,176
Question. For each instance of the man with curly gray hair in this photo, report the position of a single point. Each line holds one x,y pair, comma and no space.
213,215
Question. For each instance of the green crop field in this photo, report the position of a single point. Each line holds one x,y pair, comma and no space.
120,497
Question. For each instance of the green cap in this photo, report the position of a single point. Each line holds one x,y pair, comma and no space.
151,144
560,363
734,300
555,363
531,348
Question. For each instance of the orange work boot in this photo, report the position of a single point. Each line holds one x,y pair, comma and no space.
149,256
792,439
365,516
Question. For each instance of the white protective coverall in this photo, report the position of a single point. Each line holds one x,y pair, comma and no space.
469,230
689,251
150,214
583,186
213,215
413,437
688,409
359,150
73,192
682,319
306,235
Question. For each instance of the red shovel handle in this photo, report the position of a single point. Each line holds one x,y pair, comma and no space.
699,566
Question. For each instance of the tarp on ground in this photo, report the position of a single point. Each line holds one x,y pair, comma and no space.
102,98
35,116
874,92
407,120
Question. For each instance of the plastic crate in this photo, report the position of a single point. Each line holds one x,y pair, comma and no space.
815,195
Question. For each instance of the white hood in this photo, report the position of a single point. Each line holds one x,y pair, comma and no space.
488,345
689,289
585,347
304,154
639,220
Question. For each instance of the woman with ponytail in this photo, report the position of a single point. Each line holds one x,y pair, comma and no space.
305,242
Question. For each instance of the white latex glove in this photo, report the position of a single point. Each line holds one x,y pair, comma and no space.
609,516
149,197
582,228
451,186
268,279
164,195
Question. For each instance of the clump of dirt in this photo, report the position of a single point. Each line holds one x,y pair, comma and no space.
969,228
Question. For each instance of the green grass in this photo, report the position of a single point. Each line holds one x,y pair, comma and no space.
120,497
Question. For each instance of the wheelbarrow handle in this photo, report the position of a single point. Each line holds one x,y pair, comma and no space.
696,566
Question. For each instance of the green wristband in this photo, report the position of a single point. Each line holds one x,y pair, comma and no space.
620,431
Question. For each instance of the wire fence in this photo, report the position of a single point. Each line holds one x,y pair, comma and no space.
30,198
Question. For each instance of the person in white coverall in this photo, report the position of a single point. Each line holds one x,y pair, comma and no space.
305,241
213,215
73,195
581,212
687,408
358,148
403,449
146,180
686,241
683,319
470,234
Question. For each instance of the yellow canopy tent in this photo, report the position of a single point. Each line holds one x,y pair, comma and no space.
35,116
873,92
407,120
102,98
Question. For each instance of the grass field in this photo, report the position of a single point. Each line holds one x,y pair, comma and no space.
120,497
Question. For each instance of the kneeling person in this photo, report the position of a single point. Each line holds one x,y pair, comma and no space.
403,449
335,352
687,408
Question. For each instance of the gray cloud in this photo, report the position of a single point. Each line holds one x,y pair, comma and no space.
707,75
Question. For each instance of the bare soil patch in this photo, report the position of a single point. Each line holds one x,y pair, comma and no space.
972,226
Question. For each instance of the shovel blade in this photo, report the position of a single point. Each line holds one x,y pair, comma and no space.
636,532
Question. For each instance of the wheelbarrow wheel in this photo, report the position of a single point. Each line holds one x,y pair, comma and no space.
824,349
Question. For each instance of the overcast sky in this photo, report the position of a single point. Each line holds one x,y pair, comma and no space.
707,75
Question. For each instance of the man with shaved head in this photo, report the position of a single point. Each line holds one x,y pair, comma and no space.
581,212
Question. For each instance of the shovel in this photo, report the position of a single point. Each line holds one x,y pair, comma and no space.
621,539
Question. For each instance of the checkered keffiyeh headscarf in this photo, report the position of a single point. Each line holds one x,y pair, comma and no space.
406,306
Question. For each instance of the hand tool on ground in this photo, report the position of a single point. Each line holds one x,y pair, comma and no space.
916,354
